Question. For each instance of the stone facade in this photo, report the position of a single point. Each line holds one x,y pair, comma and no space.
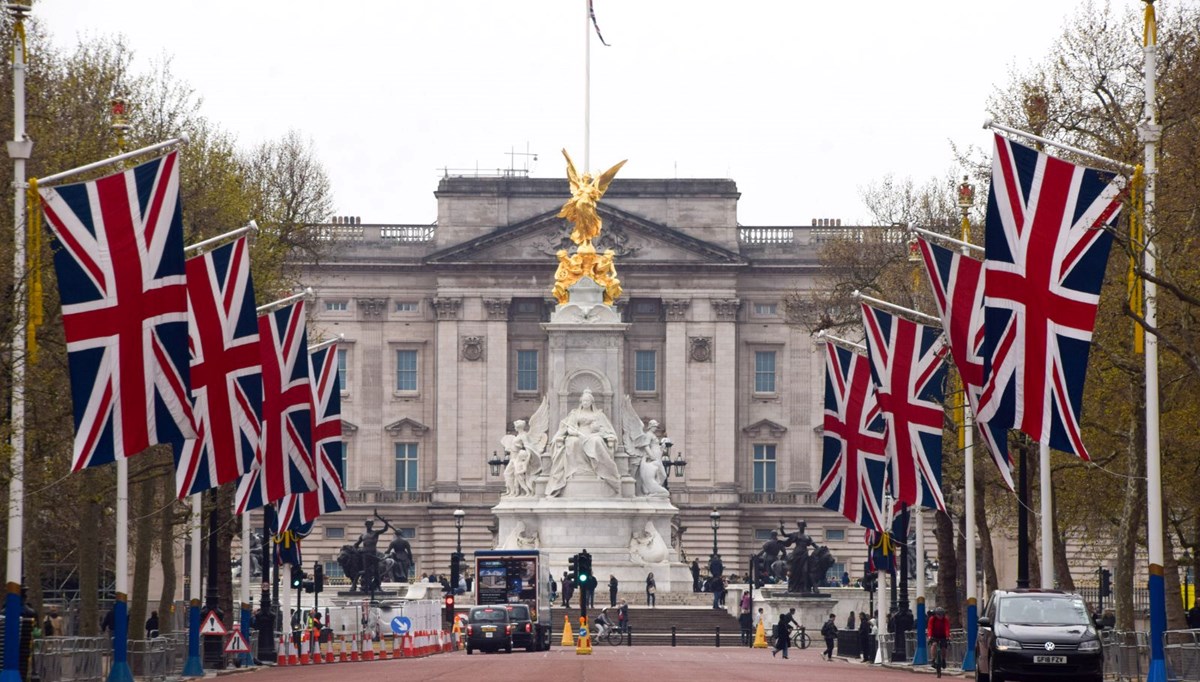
445,347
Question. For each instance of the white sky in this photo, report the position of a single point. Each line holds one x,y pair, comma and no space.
800,102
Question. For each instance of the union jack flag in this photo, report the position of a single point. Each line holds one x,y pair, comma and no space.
284,456
1046,255
295,511
118,253
909,374
226,370
957,282
854,463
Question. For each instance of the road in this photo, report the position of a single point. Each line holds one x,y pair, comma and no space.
659,664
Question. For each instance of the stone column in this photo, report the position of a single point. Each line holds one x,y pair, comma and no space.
368,470
498,371
444,472
725,312
676,396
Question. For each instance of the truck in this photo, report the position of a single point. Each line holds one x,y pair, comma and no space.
517,576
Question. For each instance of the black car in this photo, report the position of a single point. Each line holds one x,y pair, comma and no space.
523,632
1037,635
488,629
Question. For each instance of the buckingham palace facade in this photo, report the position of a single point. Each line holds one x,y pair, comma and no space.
444,348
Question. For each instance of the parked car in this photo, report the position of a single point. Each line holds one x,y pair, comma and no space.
1037,635
523,632
488,629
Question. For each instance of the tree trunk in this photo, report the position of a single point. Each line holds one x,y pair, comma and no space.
1035,563
1131,515
89,549
1175,616
947,590
225,531
32,557
1062,570
166,555
960,573
143,547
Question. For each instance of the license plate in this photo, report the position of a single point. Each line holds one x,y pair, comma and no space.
1050,659
488,635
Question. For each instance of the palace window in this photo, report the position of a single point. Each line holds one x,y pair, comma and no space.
764,371
406,306
406,370
645,371
527,370
337,306
764,468
766,309
335,533
835,535
341,368
406,467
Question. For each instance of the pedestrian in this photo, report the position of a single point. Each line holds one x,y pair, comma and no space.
553,590
650,588
829,631
850,622
873,638
1193,616
567,589
612,590
744,606
695,575
845,579
152,625
109,625
864,636
783,632
747,622
714,586
623,616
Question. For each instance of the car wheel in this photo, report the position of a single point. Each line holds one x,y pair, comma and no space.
997,677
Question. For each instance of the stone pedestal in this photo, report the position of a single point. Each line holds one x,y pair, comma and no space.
811,611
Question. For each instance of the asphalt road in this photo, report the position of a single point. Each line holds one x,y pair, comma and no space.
605,664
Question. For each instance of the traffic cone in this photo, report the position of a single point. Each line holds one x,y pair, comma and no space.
369,651
408,646
281,657
568,639
293,659
328,647
760,636
584,648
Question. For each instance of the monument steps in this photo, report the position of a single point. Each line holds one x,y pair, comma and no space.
652,627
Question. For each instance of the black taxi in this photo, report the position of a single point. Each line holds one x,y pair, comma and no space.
489,629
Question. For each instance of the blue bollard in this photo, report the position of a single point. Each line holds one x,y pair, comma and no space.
921,655
193,667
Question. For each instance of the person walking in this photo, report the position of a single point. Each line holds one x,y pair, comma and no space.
650,588
850,622
829,631
746,621
612,590
152,625
567,589
864,636
783,632
623,616
695,575
744,606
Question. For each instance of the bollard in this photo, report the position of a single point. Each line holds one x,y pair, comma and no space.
718,636
672,635
628,635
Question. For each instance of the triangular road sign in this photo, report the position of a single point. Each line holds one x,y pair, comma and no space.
211,625
237,644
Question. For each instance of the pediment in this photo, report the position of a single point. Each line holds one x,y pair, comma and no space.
634,239
349,429
406,426
765,427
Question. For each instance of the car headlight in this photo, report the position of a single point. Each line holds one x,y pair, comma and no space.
1090,645
1005,644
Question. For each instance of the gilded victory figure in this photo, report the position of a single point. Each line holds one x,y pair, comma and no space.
580,210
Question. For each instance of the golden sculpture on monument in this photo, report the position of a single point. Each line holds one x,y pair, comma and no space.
580,210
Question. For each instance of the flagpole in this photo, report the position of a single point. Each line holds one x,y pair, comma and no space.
587,85
120,671
989,123
326,343
59,177
228,236
966,199
922,317
848,345
1149,133
941,237
307,295
1047,511
246,658
193,667
19,150
921,655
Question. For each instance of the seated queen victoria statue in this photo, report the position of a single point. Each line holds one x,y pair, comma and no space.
583,445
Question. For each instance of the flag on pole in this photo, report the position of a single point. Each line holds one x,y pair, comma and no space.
118,254
226,370
592,14
1046,254
284,456
881,553
909,373
854,463
295,511
957,282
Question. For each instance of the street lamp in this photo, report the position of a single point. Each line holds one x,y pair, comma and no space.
459,517
715,519
667,463
495,463
456,559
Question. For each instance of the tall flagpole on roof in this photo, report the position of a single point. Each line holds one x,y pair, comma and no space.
1149,133
19,150
587,85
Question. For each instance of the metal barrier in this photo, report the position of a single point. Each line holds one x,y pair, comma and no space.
72,659
956,647
149,658
1126,655
1182,649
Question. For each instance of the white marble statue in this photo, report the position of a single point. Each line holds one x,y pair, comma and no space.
524,450
521,538
647,546
583,445
645,453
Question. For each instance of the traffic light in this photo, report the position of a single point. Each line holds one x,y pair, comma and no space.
1105,582
868,582
573,569
449,603
585,567
297,577
318,578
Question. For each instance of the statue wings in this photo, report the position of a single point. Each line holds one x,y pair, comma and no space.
538,428
572,174
601,183
606,178
631,426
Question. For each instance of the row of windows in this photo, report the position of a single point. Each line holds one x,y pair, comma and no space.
645,307
831,535
344,305
645,372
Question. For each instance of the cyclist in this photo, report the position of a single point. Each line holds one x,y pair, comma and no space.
939,634
602,623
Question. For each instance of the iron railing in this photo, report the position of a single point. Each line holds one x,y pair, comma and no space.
1182,650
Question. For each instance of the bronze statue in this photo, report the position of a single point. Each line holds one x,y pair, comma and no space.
362,562
399,554
586,191
580,210
799,541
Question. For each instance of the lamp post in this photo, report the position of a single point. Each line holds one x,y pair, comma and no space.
495,464
678,462
715,519
456,561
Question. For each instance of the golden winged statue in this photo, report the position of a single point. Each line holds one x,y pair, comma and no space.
586,191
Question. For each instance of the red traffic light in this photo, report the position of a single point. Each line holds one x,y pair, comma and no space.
450,601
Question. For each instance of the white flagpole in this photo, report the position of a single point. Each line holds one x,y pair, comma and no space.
989,123
18,150
252,226
192,667
120,671
587,86
1047,496
307,294
59,177
929,320
969,512
1149,133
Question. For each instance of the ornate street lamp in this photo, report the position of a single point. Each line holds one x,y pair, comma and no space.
459,517
495,463
715,519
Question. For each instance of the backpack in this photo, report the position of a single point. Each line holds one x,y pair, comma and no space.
828,629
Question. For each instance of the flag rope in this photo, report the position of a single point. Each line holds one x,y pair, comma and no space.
35,314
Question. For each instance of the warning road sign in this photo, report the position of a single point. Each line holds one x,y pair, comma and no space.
211,625
237,644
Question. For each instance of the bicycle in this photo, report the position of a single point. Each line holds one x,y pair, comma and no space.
609,634
800,638
937,655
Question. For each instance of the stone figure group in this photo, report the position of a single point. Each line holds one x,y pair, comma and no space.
524,450
645,453
366,567
803,569
583,444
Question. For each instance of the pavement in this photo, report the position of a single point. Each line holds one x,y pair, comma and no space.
659,664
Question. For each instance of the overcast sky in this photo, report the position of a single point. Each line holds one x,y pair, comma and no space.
801,103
